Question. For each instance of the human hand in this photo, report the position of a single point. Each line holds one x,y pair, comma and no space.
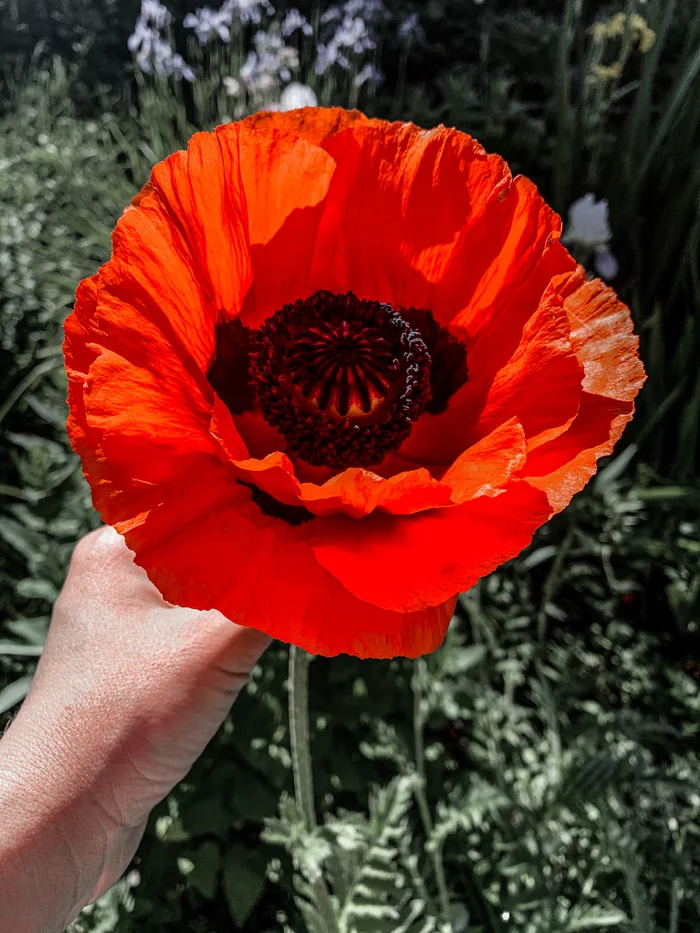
127,694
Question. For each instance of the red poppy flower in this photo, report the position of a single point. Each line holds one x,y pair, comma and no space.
337,370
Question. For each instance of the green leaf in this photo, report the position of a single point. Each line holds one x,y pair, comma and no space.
11,649
254,798
596,918
538,556
587,780
464,659
614,470
14,693
244,881
30,630
368,858
204,815
25,541
312,919
45,367
663,494
205,874
37,589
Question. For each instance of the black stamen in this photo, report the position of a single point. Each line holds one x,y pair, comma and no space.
341,377
358,374
448,370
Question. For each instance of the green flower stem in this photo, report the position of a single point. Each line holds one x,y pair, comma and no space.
301,764
422,799
299,733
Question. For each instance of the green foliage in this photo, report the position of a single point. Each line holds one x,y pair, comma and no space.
243,880
90,36
61,190
560,740
635,140
553,740
368,863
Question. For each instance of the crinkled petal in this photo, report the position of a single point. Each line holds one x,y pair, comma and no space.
512,251
540,385
562,467
185,246
137,403
604,342
145,422
484,469
78,355
396,208
201,191
420,560
602,336
285,176
216,550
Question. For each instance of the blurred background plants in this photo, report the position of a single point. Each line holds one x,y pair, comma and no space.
545,760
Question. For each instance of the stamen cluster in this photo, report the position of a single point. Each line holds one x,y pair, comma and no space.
342,378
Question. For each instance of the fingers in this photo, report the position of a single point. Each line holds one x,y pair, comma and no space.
103,576
242,651
103,541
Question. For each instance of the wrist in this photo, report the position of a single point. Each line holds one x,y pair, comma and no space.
60,846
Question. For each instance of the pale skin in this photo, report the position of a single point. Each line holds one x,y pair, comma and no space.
127,694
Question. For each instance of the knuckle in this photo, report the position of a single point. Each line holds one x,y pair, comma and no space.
97,547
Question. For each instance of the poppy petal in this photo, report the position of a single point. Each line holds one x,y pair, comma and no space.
604,341
223,429
602,336
543,359
499,257
285,179
562,467
200,193
541,383
241,552
130,405
396,208
79,354
144,422
484,469
152,288
422,559
77,351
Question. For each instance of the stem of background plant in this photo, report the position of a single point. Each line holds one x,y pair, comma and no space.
551,584
301,764
606,94
565,113
421,796
549,590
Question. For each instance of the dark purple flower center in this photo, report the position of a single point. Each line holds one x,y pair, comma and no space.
342,378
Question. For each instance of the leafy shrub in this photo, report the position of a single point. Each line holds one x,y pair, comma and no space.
62,192
547,753
545,759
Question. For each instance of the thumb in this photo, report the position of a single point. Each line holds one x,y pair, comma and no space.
240,649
